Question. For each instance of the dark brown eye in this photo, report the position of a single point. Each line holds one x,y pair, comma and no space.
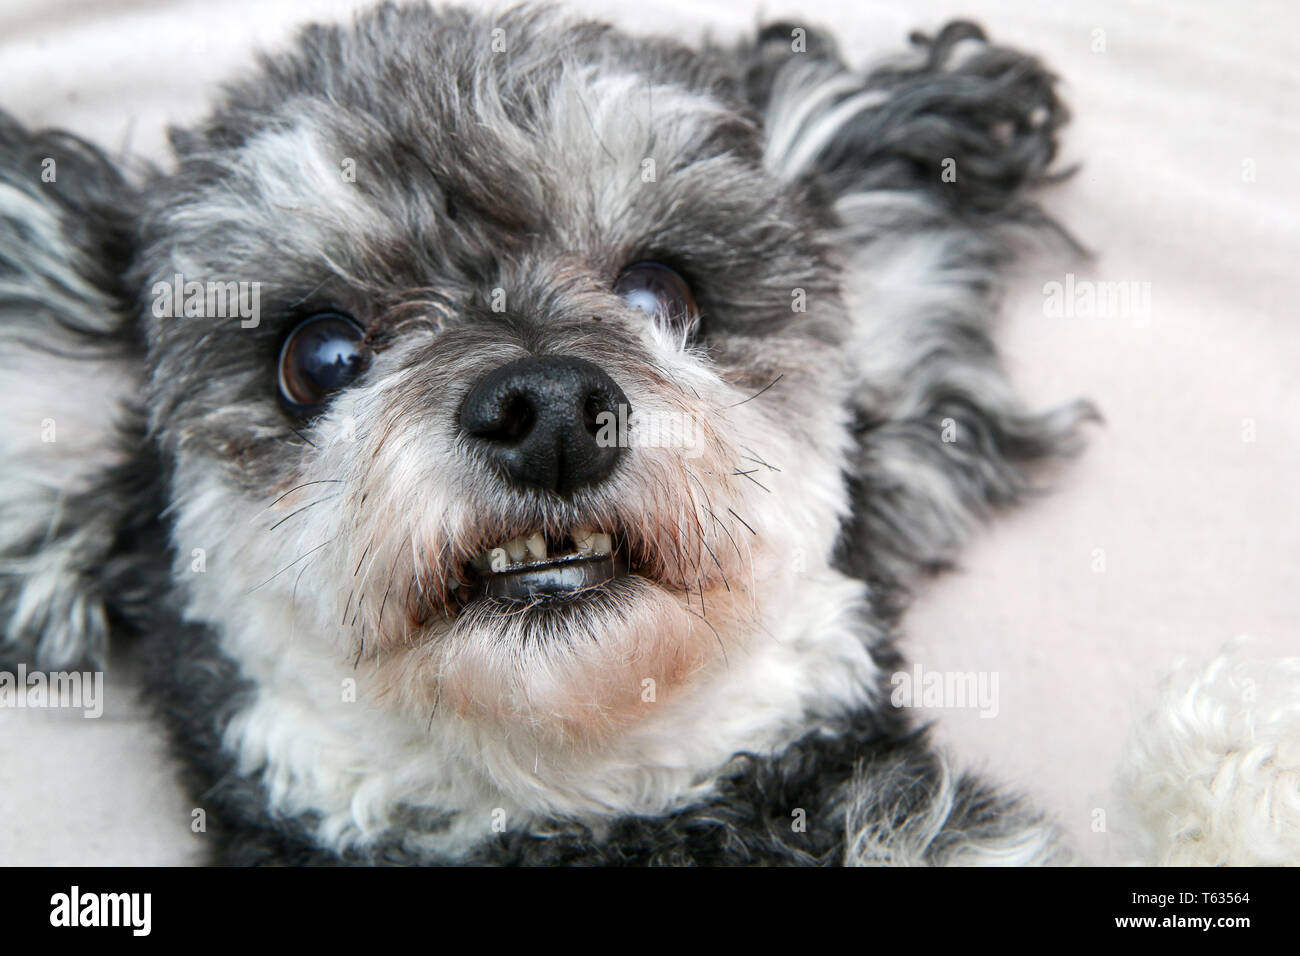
659,292
321,355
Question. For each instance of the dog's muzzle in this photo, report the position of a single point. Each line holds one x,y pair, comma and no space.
537,420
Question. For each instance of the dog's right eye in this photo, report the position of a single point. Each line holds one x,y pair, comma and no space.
320,356
659,292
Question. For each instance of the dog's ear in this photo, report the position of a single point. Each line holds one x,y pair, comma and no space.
956,120
922,169
70,365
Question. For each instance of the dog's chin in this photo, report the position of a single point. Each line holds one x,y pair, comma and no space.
569,630
567,651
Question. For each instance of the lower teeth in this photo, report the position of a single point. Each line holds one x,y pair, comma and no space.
558,578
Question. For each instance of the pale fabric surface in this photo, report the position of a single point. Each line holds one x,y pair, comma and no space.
1196,525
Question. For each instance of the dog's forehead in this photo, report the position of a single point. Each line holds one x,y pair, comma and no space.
599,157
586,152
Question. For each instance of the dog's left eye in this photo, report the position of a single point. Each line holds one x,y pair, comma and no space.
658,291
321,355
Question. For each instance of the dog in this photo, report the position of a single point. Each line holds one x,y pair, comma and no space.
502,440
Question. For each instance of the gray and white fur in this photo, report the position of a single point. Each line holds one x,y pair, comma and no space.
295,585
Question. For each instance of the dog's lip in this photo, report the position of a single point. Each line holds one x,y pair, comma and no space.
566,575
533,571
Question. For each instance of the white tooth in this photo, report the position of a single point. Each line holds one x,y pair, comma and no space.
536,545
583,538
601,543
498,560
516,549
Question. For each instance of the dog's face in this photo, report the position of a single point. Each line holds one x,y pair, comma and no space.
544,416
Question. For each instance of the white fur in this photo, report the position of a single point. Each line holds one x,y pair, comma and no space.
1212,772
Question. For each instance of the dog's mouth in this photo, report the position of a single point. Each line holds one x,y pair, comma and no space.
564,568
542,566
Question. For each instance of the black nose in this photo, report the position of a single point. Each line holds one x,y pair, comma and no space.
539,418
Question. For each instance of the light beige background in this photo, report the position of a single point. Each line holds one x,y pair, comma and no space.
1198,527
